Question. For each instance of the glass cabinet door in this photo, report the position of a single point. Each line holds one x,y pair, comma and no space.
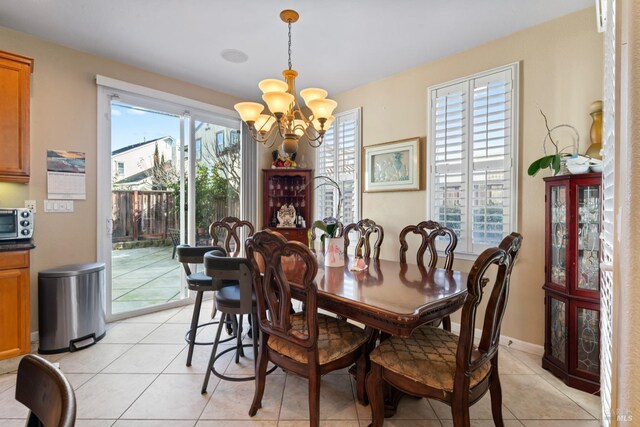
558,329
558,236
588,263
588,333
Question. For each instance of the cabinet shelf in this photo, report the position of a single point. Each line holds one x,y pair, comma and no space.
291,187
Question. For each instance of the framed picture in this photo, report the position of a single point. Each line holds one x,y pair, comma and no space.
392,166
220,140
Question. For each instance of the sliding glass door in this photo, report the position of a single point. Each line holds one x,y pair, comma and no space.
148,200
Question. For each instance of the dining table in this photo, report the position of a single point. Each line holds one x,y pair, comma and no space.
388,297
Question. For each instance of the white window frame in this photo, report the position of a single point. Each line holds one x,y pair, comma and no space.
357,150
468,250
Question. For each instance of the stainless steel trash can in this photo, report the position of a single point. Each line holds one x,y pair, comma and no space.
71,307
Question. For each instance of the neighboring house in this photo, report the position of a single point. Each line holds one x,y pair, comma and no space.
132,166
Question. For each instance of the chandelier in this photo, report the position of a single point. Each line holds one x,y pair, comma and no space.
286,120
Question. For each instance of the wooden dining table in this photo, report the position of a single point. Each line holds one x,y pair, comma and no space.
388,297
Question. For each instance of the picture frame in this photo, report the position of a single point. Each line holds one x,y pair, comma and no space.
220,140
392,166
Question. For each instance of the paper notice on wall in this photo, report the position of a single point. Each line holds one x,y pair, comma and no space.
66,177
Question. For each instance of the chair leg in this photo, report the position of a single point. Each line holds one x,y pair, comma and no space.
314,397
446,323
239,348
194,325
254,339
495,389
214,350
375,393
261,375
460,409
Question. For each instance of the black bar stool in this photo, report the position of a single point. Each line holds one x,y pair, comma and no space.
201,283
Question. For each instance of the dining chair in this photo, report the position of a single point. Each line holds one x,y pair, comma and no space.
440,365
232,275
42,388
229,228
365,228
429,232
307,343
200,283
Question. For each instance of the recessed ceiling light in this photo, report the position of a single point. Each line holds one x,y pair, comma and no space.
234,55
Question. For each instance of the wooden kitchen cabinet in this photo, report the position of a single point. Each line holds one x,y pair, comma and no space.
14,303
15,72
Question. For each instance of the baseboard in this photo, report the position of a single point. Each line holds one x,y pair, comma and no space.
34,336
509,342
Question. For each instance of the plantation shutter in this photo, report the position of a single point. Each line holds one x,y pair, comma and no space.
449,163
472,147
325,165
338,158
491,159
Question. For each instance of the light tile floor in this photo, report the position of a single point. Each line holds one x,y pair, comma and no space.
136,376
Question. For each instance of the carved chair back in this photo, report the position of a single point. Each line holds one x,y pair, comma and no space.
503,258
266,250
429,231
43,389
230,227
365,228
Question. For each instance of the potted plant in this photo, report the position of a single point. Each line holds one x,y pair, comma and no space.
330,227
557,159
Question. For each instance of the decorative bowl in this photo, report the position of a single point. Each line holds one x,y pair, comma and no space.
577,168
596,168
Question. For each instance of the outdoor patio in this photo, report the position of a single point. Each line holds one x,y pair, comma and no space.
144,277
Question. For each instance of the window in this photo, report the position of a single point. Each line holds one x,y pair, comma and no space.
472,157
198,148
119,168
338,158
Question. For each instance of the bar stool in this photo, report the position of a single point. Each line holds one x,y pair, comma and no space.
238,299
201,283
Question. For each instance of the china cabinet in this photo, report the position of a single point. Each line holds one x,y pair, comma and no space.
572,279
15,72
286,204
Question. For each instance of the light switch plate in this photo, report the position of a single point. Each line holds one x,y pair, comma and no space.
30,204
58,206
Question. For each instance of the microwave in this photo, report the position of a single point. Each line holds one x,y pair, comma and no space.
16,224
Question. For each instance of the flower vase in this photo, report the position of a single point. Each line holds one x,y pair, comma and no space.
334,254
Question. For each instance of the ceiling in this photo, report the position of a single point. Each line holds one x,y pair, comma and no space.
337,44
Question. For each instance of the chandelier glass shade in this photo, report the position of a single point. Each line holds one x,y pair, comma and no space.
285,120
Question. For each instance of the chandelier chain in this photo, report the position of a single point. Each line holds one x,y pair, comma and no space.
289,45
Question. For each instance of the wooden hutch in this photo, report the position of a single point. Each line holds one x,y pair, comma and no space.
289,187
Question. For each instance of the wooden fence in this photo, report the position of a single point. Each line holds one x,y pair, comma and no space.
145,215
140,215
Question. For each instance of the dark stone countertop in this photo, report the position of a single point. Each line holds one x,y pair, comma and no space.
16,245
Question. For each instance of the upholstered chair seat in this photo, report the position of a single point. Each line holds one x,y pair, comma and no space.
428,356
336,339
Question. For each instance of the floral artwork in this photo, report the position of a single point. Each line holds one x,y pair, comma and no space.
392,166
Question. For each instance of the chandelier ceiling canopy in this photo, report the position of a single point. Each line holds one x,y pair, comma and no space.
286,121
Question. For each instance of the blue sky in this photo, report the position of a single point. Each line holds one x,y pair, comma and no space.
130,126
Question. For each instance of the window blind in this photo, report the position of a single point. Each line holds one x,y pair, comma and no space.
608,217
338,158
472,186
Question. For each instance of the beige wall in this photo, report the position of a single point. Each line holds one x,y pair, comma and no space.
64,116
561,73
